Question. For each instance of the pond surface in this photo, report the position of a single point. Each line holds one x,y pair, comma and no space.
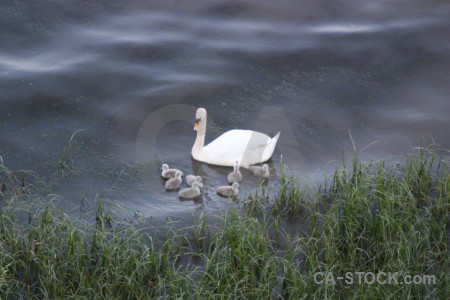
316,70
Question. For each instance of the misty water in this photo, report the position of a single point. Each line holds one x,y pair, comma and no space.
316,70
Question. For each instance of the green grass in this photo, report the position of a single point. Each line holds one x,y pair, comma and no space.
65,161
369,217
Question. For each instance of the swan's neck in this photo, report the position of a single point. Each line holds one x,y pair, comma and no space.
200,140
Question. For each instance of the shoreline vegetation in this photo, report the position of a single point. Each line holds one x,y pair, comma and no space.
366,217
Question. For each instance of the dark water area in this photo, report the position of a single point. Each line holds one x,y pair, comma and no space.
313,69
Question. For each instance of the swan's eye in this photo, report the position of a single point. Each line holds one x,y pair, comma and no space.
198,120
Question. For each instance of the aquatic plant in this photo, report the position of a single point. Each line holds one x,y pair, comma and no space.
369,217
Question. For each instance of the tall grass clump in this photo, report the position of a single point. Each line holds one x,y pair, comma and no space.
386,220
367,217
291,198
66,163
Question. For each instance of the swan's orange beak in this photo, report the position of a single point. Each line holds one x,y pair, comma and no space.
196,126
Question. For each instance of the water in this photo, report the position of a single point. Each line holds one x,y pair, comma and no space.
316,70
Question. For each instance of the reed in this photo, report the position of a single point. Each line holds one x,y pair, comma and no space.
368,217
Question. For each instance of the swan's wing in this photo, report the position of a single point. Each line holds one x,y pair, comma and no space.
255,149
245,146
268,151
227,148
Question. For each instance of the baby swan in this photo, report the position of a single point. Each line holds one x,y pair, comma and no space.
174,183
169,173
191,192
236,175
190,179
260,171
228,191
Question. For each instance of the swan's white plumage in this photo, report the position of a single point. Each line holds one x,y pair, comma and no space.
245,146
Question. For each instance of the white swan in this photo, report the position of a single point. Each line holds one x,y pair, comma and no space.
236,175
169,173
260,171
190,179
174,183
246,146
190,193
228,191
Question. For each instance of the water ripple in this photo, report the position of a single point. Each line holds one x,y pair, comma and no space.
44,62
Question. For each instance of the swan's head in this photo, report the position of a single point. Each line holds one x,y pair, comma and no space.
165,167
235,186
198,181
178,174
200,115
196,185
265,167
